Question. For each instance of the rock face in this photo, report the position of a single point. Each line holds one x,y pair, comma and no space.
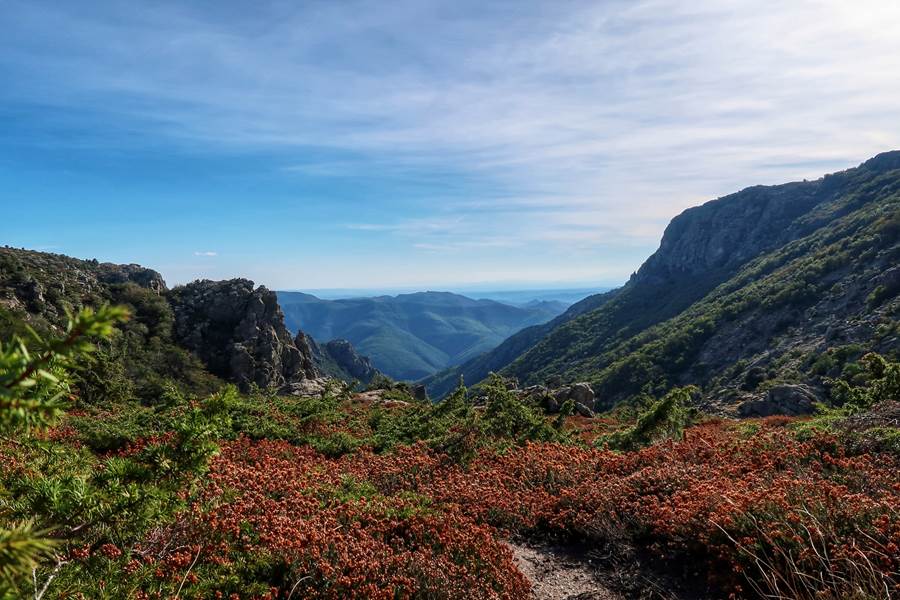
890,281
787,399
726,233
420,392
239,332
337,358
148,278
580,394
345,355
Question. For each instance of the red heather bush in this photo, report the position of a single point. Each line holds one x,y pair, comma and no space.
716,498
797,517
136,447
325,535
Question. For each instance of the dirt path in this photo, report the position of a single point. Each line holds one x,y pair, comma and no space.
557,575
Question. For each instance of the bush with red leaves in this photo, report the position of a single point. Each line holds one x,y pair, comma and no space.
413,524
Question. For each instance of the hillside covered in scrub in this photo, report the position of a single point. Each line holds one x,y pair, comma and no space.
773,284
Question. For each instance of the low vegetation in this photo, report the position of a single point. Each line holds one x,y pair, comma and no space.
345,496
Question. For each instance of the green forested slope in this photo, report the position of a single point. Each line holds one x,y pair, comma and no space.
477,368
411,336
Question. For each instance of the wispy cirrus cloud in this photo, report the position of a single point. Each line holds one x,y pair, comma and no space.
207,253
579,125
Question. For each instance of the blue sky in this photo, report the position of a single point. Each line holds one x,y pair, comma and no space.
414,143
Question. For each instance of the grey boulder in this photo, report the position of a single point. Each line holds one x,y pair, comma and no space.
786,399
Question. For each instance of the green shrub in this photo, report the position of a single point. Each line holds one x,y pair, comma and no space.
336,444
883,383
33,389
506,417
878,296
458,429
666,419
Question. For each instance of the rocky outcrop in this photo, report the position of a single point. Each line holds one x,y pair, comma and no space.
110,273
552,399
239,332
344,354
48,285
337,358
583,397
377,397
788,399
307,387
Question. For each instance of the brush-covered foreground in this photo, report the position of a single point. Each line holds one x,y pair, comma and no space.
379,496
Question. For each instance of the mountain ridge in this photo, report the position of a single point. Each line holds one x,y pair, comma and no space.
410,336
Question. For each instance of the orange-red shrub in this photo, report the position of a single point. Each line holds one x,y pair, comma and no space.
325,535
412,521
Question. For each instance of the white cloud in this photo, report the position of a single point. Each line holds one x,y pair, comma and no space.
206,253
592,123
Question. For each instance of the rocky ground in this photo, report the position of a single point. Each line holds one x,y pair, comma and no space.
557,574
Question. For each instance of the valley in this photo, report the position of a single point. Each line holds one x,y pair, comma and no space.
411,336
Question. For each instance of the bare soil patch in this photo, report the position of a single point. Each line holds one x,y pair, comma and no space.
557,574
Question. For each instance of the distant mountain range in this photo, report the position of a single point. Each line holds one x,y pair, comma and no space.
524,297
514,296
411,336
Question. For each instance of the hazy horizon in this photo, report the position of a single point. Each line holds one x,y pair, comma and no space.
514,296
